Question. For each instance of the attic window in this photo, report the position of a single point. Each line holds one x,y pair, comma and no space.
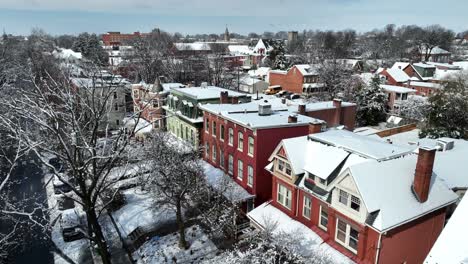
355,203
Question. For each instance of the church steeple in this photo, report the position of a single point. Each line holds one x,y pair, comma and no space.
226,34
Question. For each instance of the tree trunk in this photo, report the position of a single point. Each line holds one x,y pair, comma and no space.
180,222
98,236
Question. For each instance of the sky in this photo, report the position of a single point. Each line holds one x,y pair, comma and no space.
212,16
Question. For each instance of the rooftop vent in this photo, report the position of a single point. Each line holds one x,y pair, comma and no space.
204,85
445,144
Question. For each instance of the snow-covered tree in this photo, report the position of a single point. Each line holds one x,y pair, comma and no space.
371,103
447,114
414,108
338,80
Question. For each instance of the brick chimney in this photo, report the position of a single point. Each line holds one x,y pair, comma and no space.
301,109
423,173
224,97
292,119
337,113
235,100
315,127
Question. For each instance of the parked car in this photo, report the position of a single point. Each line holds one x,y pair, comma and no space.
71,225
64,202
273,90
60,186
294,96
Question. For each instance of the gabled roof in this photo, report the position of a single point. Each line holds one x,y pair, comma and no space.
400,65
398,74
386,187
396,89
306,69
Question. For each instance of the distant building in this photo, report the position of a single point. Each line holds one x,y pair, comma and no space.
437,54
114,38
184,116
226,38
292,37
252,85
300,79
397,95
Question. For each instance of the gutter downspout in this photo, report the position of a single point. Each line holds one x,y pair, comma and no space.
297,199
379,245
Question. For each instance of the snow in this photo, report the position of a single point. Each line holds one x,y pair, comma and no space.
247,80
361,145
461,64
240,49
166,250
310,244
225,184
142,126
322,160
261,71
397,89
197,46
141,211
306,69
451,246
389,191
425,84
398,75
205,93
424,65
67,54
365,131
400,65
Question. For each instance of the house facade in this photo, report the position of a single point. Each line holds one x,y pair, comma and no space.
397,96
372,201
183,114
300,79
114,38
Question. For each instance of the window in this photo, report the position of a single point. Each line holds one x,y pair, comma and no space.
322,181
230,164
207,150
344,197
284,167
214,129
207,126
221,158
240,169
280,165
115,95
221,133
249,176
347,236
213,153
240,141
323,221
251,146
284,196
355,203
116,107
117,122
307,207
231,136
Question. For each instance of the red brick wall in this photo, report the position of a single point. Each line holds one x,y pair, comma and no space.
412,242
390,80
348,116
291,81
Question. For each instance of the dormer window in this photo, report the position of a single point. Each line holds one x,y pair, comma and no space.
350,200
284,167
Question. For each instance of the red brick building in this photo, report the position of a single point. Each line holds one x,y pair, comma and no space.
371,201
116,38
298,79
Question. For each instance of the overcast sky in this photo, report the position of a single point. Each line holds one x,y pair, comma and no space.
211,16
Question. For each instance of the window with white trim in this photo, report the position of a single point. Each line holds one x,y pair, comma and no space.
251,146
240,141
284,196
213,153
306,212
207,126
323,220
355,203
221,133
230,164
284,167
250,176
347,236
350,200
231,136
240,169
214,129
344,197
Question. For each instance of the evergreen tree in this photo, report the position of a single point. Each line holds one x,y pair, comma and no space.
371,101
90,47
447,115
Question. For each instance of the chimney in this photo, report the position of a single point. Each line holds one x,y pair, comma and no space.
235,100
315,127
224,97
292,119
337,113
283,100
423,173
301,109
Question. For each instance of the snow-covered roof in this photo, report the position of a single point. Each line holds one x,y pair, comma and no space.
396,89
67,54
261,71
309,243
240,49
366,77
400,65
424,65
365,131
389,191
247,80
444,65
197,46
436,51
451,246
450,165
425,84
398,74
225,184
206,93
361,145
441,74
306,69
461,64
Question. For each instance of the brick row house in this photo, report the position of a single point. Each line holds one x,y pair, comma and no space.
239,139
300,79
372,201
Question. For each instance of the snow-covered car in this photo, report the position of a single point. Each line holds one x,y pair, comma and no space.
64,202
71,225
294,96
60,186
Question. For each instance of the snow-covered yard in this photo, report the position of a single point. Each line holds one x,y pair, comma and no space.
166,250
142,211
